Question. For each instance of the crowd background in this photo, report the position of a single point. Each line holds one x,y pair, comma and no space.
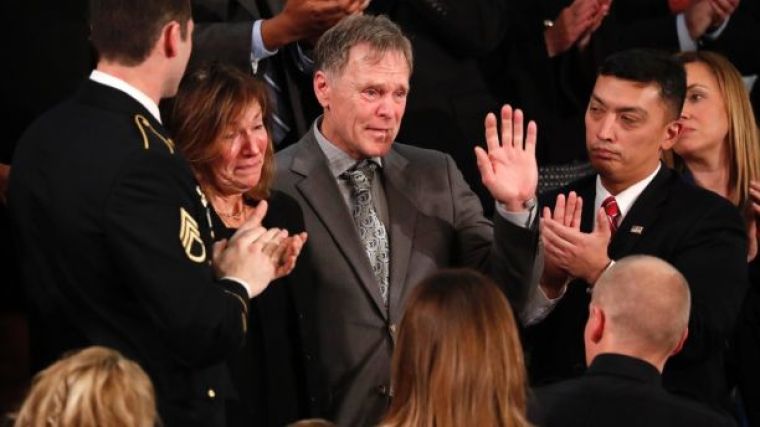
470,57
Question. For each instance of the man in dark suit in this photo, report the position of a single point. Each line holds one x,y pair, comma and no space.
112,229
631,117
637,319
249,34
383,215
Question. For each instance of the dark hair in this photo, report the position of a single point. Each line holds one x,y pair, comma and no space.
208,100
379,32
126,30
650,66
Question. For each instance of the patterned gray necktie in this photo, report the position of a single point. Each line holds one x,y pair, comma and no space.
371,230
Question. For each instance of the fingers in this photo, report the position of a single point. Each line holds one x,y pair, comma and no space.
576,223
563,232
492,136
530,142
517,130
559,208
572,201
484,166
506,126
216,250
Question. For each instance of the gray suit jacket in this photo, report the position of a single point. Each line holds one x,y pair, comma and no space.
436,221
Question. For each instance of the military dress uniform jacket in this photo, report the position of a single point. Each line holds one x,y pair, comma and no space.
112,237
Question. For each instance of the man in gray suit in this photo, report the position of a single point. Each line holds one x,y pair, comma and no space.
383,215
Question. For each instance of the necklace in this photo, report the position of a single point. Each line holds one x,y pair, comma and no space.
232,214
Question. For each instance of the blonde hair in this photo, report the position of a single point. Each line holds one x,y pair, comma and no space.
458,359
94,387
743,139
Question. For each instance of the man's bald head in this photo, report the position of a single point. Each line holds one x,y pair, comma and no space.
646,305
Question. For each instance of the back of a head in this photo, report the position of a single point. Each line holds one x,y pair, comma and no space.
94,387
646,66
646,302
125,31
458,359
378,32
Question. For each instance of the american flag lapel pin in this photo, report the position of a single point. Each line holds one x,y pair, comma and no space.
637,229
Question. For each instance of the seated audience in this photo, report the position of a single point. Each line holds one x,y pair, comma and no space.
719,149
636,205
220,125
458,359
637,320
92,387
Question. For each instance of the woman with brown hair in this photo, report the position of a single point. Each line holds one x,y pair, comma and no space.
719,149
93,387
458,359
220,124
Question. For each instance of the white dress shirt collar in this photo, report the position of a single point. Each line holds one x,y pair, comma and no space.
626,198
119,84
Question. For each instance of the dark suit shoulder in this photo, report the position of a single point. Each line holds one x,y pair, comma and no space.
609,400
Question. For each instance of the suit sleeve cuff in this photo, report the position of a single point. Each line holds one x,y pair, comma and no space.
240,282
523,219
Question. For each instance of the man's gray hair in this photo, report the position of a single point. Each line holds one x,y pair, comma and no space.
378,32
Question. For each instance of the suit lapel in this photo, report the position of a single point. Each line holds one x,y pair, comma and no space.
403,218
321,192
641,216
251,7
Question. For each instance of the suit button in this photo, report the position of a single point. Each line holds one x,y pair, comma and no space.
211,393
307,356
392,328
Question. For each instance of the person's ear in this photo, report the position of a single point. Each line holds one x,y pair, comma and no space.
672,130
596,324
322,89
679,345
171,36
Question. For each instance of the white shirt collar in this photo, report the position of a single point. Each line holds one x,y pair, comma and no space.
119,84
626,198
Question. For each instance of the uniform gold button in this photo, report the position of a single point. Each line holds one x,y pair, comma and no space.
211,393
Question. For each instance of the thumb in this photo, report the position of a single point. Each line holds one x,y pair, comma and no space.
602,223
258,215
217,250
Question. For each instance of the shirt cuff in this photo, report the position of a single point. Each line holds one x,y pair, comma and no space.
540,306
242,282
712,35
522,219
685,42
258,50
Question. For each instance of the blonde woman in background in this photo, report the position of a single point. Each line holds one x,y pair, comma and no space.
718,146
458,359
719,149
94,387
